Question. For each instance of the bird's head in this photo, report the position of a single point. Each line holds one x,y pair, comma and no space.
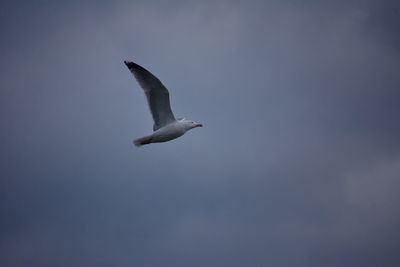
190,124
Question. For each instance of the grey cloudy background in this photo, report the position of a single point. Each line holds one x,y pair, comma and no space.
298,163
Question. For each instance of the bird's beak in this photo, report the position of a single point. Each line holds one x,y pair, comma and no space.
199,125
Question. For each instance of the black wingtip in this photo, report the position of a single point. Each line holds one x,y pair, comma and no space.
133,66
129,63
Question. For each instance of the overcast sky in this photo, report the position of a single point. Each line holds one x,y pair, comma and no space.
298,162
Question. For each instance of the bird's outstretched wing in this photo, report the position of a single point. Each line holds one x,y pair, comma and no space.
156,93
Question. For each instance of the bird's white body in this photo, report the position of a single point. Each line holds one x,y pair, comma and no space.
168,132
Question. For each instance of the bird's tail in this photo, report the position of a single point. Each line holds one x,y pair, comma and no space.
142,141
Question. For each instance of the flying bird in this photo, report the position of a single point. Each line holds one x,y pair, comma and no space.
165,127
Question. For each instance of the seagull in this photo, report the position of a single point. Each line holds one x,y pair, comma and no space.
165,127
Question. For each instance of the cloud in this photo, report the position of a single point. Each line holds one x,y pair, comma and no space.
296,164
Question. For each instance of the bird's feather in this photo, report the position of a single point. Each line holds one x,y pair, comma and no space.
157,95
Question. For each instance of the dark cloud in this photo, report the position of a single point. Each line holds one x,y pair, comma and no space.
297,163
